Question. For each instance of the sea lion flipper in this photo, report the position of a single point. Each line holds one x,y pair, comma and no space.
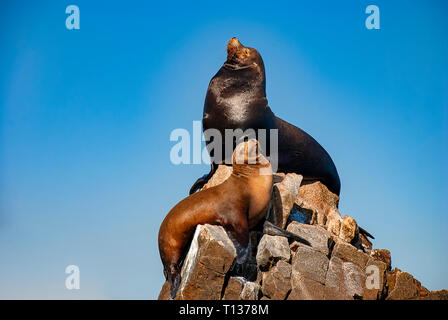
238,232
204,179
273,230
242,251
365,233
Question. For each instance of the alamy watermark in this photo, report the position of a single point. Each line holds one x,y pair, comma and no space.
73,20
219,149
373,20
73,280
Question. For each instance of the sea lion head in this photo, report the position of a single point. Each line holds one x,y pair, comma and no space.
240,57
249,152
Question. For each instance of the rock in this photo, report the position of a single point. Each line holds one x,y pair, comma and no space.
272,249
350,280
404,287
284,195
250,291
436,295
300,214
278,177
318,237
306,212
210,257
310,264
423,292
349,229
234,288
276,282
335,275
222,174
340,264
374,286
307,289
239,288
382,255
319,195
354,279
349,253
334,220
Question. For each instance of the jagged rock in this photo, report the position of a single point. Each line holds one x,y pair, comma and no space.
436,295
222,174
284,195
278,177
234,288
210,257
374,287
307,289
349,253
318,237
271,249
354,279
349,229
239,288
319,195
350,280
276,282
310,264
334,220
305,212
335,275
250,291
403,287
382,255
340,264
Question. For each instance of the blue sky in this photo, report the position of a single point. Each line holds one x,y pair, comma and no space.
85,175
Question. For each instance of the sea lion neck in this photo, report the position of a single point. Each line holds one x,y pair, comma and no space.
249,171
233,82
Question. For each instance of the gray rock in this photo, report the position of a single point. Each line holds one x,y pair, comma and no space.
405,288
276,282
319,195
318,237
354,279
283,198
210,257
238,288
272,249
335,275
345,277
307,289
349,253
309,263
222,174
374,287
250,291
349,229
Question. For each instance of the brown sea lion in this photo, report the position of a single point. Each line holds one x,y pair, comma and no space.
236,99
238,204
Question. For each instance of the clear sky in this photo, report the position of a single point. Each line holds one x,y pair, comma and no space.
86,115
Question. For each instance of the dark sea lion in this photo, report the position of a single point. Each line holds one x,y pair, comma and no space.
238,204
236,99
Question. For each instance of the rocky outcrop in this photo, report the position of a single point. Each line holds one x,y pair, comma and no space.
339,263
